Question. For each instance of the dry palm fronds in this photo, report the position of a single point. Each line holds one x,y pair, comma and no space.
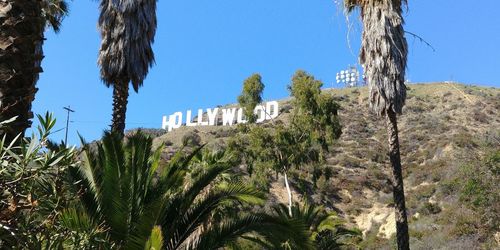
127,29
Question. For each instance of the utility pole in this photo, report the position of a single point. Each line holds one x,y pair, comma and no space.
67,123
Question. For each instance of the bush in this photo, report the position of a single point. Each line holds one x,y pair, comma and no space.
33,184
191,139
474,192
425,192
464,140
478,191
466,223
479,116
430,208
223,133
450,186
322,184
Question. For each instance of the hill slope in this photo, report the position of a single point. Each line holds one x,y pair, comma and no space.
450,147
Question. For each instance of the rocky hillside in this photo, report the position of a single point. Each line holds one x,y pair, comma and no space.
450,146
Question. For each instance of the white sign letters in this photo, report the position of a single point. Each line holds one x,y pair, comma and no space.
220,116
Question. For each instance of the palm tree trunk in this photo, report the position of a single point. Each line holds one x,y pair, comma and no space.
289,195
120,101
397,182
21,38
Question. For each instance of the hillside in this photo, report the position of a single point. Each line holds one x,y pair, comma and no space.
450,147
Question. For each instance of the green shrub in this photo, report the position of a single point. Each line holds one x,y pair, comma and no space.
450,186
466,223
191,139
425,192
33,184
474,192
430,208
464,140
322,184
478,190
492,162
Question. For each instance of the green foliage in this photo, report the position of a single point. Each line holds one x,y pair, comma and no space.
322,184
191,139
312,127
474,192
33,190
430,208
326,229
425,192
314,124
121,191
83,231
273,232
155,241
306,90
475,184
314,112
465,223
251,96
283,147
480,186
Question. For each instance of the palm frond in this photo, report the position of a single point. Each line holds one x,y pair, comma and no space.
127,29
259,228
120,189
155,241
54,12
172,177
191,217
78,220
350,5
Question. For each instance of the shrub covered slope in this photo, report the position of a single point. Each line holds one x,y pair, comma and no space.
450,146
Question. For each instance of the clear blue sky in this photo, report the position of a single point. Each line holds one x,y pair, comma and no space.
205,49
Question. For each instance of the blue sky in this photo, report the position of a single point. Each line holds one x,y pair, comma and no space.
205,49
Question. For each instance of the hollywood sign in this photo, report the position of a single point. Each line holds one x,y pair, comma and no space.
220,116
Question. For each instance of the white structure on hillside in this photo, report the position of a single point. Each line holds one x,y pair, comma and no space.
219,116
349,77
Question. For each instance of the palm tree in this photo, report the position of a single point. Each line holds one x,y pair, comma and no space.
325,229
383,56
127,29
122,190
23,23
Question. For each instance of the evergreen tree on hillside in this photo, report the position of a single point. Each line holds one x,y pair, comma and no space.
313,125
314,111
383,55
251,96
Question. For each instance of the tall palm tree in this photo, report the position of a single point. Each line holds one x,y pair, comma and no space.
127,29
22,24
383,56
122,189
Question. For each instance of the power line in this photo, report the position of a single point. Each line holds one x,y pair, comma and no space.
103,122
